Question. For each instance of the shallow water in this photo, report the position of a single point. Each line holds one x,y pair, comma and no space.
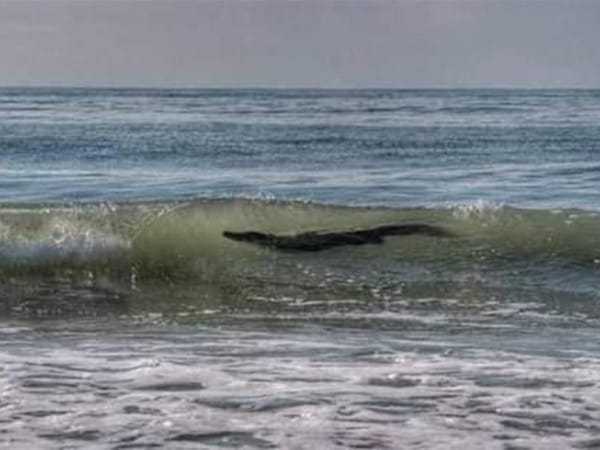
266,385
128,321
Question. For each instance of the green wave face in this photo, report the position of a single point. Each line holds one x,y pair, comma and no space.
172,256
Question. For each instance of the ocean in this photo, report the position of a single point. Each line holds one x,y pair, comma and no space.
127,319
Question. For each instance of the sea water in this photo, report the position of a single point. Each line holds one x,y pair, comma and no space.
127,320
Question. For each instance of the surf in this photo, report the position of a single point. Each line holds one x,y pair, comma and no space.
177,235
172,258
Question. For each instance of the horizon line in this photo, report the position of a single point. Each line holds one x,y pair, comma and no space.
292,88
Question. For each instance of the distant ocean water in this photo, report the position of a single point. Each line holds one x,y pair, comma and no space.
127,320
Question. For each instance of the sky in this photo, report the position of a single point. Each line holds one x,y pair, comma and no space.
301,43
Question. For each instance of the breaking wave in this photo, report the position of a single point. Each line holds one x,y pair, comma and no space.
175,251
180,234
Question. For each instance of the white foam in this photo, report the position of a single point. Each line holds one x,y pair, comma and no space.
475,208
60,242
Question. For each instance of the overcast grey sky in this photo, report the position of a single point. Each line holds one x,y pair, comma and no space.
285,43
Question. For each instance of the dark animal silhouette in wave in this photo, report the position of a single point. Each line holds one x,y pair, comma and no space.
316,241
